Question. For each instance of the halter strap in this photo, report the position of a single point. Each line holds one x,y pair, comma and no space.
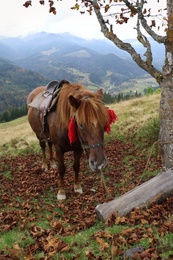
89,145
92,145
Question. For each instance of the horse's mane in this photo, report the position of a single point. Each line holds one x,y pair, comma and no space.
90,110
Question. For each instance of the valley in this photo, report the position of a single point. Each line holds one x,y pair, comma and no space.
34,60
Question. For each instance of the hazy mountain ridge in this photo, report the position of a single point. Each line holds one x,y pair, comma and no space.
36,59
56,55
32,44
53,48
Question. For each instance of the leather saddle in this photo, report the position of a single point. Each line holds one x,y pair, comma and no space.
45,102
51,95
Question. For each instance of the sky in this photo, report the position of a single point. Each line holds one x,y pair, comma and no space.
16,20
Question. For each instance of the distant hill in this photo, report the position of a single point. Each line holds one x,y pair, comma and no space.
15,84
18,48
62,56
38,58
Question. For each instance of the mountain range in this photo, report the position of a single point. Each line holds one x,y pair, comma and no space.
36,59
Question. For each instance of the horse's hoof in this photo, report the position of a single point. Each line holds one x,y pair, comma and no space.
61,196
78,190
44,168
53,165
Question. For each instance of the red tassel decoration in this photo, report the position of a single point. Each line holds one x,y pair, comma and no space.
72,131
112,116
112,119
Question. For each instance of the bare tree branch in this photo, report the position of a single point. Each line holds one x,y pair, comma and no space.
146,65
144,41
141,18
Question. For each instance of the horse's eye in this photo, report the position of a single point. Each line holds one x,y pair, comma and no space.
81,126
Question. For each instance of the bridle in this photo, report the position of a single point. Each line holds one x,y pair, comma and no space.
88,146
91,145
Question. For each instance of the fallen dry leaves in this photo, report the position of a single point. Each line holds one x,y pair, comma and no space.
30,196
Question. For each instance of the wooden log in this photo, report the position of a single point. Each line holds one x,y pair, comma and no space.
157,188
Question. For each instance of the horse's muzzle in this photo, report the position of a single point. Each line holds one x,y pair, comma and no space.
95,167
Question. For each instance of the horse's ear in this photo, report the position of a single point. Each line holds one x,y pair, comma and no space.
74,102
99,93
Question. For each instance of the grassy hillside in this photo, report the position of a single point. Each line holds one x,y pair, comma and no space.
134,118
34,225
16,133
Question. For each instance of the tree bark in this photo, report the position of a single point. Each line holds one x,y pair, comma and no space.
166,102
159,187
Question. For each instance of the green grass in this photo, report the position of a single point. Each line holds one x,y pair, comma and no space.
81,243
43,223
166,246
12,237
8,175
148,132
17,147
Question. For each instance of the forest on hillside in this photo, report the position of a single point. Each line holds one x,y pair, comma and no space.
12,113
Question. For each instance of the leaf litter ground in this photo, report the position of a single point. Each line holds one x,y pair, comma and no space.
28,200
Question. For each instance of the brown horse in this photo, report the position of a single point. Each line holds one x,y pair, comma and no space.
76,123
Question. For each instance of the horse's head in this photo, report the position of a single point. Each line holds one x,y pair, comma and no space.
88,123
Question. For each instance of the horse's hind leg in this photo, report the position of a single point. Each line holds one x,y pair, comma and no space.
76,167
43,148
52,160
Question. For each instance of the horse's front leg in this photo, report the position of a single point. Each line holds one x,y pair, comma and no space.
61,170
76,168
52,160
43,148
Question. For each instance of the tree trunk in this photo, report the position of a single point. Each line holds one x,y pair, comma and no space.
166,102
166,123
159,187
